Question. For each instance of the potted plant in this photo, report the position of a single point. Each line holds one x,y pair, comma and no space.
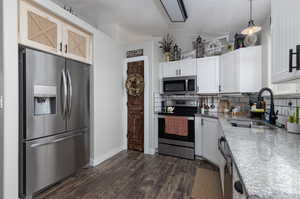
293,122
166,45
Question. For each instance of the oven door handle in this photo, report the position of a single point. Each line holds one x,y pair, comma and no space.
220,141
188,118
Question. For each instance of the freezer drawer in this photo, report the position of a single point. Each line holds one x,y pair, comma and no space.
50,160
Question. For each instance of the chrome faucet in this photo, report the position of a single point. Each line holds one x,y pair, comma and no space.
272,115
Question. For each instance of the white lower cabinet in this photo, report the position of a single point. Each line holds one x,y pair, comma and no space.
206,139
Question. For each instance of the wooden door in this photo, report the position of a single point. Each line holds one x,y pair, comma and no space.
39,29
77,44
135,107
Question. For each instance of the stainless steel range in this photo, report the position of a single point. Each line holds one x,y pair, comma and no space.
178,144
54,119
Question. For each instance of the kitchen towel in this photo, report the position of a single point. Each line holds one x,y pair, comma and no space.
176,125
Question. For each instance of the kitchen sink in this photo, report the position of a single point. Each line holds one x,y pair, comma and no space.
250,124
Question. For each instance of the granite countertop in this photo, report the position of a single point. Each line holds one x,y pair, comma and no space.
268,160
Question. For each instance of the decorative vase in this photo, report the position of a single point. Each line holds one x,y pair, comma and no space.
167,56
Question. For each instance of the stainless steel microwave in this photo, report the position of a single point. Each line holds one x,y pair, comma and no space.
180,85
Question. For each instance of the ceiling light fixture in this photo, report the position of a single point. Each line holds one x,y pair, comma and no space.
175,10
252,28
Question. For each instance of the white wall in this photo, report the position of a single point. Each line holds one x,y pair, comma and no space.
1,110
266,42
107,99
11,102
266,50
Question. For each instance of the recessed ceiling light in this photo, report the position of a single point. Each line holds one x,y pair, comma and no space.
175,10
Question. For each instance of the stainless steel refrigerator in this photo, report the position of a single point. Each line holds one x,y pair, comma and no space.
54,119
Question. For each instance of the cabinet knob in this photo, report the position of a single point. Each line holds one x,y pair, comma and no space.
238,187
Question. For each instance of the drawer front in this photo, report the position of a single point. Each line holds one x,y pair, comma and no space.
52,159
178,151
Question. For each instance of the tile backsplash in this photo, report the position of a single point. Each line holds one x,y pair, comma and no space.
285,105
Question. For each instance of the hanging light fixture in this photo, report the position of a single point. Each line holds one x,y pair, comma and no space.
252,28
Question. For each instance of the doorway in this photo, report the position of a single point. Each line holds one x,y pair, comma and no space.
135,106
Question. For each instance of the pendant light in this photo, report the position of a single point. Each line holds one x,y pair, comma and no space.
252,28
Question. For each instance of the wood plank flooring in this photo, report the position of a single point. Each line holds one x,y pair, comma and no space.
131,175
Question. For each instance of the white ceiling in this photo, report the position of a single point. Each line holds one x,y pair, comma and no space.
206,17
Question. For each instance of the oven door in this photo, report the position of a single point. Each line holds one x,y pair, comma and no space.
192,85
174,85
191,130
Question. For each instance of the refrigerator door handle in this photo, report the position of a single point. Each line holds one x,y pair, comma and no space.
55,141
70,94
65,94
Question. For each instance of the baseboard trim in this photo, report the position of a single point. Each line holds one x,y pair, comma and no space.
151,151
96,161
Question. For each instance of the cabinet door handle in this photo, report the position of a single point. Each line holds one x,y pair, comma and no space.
238,187
180,72
220,88
291,54
66,48
202,122
60,46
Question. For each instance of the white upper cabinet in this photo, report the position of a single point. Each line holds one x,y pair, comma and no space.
179,68
228,73
241,71
285,30
188,67
170,69
77,44
44,31
39,29
208,75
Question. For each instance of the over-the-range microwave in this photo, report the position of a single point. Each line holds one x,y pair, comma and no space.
180,85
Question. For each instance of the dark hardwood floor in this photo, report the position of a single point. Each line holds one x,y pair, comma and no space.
131,175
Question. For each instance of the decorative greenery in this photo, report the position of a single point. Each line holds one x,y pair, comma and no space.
166,43
291,119
295,117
